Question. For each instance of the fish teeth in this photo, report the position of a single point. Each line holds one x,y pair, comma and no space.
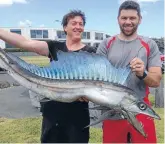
149,118
141,124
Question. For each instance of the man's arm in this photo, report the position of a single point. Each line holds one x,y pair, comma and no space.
153,77
19,41
154,66
154,74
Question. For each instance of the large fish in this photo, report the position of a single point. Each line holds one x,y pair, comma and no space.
80,74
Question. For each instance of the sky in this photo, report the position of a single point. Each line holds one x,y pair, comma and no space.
101,15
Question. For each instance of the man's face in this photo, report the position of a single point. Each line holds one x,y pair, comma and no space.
128,21
75,28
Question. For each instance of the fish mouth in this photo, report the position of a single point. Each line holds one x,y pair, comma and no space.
155,115
142,108
151,113
112,114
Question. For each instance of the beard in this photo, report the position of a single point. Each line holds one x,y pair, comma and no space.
130,32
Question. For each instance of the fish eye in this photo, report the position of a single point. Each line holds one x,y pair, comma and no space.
142,106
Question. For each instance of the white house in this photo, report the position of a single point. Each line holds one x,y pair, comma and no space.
92,38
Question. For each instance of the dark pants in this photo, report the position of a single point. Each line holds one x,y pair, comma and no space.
62,133
64,123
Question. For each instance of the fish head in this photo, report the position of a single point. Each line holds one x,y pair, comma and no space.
132,104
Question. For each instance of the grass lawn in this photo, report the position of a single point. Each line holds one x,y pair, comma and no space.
28,130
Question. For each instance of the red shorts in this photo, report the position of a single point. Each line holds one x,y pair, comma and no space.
119,131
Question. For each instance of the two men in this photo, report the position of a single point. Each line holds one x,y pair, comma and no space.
142,54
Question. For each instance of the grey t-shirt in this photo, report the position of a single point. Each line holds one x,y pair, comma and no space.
120,53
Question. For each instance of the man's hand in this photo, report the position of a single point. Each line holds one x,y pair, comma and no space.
137,66
154,75
83,99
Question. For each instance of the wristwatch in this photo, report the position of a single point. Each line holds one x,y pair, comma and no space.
144,75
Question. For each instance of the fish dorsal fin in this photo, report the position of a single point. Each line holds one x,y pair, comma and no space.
78,65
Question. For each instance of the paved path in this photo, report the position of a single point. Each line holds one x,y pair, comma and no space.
15,103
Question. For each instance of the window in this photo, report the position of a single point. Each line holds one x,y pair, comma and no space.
86,35
45,33
98,36
39,33
61,35
18,31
